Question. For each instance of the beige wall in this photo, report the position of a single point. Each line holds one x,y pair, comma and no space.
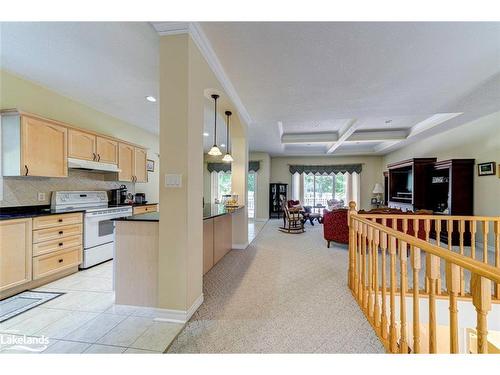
263,180
16,92
371,173
479,139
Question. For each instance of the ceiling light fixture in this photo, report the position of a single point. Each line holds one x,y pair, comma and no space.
151,99
206,134
227,158
214,151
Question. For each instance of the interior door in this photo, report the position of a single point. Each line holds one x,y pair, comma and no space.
125,162
81,145
140,157
107,150
44,148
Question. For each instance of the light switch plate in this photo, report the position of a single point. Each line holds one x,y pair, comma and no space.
173,180
41,197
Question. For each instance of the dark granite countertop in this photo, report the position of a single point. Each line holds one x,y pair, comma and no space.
209,211
24,212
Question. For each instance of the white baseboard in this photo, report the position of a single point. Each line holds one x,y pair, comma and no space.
239,246
177,316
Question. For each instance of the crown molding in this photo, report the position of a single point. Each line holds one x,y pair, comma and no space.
196,32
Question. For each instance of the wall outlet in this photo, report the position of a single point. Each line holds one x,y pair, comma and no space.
41,197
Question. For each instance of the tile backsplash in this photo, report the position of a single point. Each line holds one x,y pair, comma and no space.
23,191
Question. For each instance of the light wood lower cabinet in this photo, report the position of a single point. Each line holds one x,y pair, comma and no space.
48,264
137,210
51,221
55,245
15,253
56,233
217,240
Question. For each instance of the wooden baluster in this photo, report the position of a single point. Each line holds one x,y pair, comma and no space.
416,265
481,298
360,274
392,327
449,227
453,288
438,241
432,271
497,253
473,227
438,232
486,226
364,295
383,246
352,246
461,230
403,341
376,312
370,274
427,226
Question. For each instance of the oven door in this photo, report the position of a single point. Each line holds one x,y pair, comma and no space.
98,231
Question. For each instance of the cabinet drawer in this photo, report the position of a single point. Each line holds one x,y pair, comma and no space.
45,265
57,244
50,221
56,232
143,209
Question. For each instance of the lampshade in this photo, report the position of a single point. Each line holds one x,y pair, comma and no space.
378,189
227,158
214,151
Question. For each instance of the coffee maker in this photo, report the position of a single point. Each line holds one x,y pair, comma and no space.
118,195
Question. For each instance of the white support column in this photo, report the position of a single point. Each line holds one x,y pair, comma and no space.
239,185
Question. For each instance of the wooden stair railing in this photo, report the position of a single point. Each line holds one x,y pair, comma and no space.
371,241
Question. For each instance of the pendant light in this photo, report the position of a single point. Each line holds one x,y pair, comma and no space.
214,151
227,158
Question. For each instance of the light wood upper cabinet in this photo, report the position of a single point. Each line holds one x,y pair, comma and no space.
125,162
44,148
81,145
15,253
107,150
140,157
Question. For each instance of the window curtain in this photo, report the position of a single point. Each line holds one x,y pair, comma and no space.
353,186
214,186
226,167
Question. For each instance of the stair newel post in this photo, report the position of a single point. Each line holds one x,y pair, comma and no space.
432,272
481,298
383,246
453,288
392,327
352,244
376,242
416,265
403,342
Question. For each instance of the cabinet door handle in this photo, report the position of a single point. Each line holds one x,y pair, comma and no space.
95,157
61,232
98,157
60,220
61,243
61,260
27,170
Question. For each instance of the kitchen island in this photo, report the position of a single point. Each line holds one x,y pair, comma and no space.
136,252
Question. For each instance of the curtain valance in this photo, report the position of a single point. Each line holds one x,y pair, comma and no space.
326,169
226,167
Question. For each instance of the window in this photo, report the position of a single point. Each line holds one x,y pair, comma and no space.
224,187
251,203
319,189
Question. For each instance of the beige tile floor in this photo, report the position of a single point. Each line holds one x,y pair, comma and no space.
254,227
86,320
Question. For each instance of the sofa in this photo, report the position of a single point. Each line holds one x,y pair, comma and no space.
336,228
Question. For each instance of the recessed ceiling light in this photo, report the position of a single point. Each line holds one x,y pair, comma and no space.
206,134
150,98
388,121
222,145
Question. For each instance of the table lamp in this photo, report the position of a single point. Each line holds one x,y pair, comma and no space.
378,190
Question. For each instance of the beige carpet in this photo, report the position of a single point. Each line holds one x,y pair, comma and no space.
284,294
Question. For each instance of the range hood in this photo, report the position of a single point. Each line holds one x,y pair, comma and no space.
92,165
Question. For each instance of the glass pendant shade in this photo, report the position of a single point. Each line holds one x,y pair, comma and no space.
214,151
227,158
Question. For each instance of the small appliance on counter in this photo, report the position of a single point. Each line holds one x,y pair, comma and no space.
118,196
230,200
140,198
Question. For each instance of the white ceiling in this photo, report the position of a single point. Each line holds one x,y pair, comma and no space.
293,78
313,77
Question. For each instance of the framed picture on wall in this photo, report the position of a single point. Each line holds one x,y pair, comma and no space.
150,165
486,169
